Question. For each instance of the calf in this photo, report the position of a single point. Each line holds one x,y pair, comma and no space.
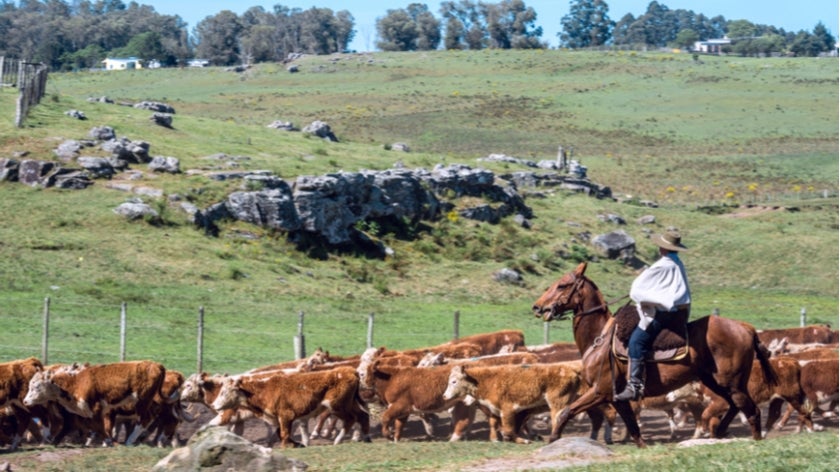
509,391
100,391
14,384
819,381
786,389
204,388
409,390
686,398
281,399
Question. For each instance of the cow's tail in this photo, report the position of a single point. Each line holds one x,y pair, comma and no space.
762,354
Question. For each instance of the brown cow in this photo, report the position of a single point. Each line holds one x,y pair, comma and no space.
493,343
14,384
555,352
805,335
166,410
787,389
819,380
508,391
406,391
100,391
282,399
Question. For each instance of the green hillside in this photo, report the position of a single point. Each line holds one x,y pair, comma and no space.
739,153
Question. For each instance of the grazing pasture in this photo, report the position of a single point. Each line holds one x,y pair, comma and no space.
739,153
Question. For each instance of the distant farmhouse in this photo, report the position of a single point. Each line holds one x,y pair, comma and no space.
198,63
122,63
712,46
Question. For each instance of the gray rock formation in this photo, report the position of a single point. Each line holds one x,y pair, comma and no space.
215,449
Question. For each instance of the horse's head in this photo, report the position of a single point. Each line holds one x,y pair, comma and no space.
558,300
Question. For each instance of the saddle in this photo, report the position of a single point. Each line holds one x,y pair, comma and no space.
670,344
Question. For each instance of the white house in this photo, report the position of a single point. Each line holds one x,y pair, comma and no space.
122,63
198,63
712,46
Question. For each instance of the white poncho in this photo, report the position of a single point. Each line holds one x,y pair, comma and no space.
661,286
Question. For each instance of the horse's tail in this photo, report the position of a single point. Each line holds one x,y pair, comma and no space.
762,354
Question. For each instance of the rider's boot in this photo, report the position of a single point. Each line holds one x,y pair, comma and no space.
635,383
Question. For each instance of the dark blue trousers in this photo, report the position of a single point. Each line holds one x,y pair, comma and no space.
641,340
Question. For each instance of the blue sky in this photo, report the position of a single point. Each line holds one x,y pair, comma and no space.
790,15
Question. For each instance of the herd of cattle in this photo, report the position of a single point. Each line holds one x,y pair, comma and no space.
496,373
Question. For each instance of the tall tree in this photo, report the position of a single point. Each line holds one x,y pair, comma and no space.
409,29
824,37
218,38
587,24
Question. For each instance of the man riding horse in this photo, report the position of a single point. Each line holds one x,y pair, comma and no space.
660,290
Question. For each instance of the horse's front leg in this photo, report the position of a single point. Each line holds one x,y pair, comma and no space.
586,401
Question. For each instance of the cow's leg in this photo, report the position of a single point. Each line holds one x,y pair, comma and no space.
462,417
509,428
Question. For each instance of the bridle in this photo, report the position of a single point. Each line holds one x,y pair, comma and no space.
573,290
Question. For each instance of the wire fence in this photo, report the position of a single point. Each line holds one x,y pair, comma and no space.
217,339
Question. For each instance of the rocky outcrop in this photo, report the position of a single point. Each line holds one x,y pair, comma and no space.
330,207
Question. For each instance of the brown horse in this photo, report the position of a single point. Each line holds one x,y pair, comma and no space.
721,353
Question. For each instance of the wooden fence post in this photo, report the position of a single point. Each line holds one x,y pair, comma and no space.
299,341
456,322
199,363
45,334
122,332
802,317
545,332
370,331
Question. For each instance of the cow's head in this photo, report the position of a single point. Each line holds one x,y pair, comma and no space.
42,389
459,385
230,395
192,390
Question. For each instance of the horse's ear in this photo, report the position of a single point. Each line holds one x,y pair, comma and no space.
581,268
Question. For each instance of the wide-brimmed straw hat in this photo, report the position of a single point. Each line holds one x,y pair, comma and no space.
670,240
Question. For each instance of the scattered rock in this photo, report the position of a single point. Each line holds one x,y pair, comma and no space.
134,210
102,133
155,106
165,164
615,245
97,167
79,115
162,119
282,125
507,276
321,130
215,449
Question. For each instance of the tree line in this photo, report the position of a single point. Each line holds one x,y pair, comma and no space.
79,34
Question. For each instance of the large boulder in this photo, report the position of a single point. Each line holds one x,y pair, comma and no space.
321,130
126,150
97,167
35,173
215,449
102,133
272,208
615,245
170,165
9,170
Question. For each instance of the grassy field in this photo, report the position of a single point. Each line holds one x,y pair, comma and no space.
741,154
